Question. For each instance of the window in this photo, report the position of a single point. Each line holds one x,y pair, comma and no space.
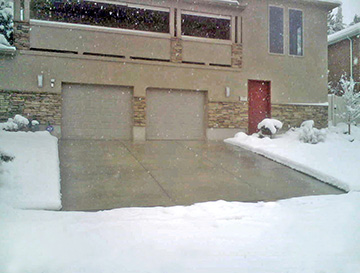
102,14
296,32
205,26
276,30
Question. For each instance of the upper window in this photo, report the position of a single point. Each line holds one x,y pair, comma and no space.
276,30
205,26
296,32
101,14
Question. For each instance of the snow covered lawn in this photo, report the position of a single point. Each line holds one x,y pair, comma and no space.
32,179
307,234
334,161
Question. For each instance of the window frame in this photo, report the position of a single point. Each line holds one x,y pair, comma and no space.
302,34
117,29
208,15
268,29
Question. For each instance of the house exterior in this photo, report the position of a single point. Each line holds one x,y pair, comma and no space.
344,58
344,54
151,69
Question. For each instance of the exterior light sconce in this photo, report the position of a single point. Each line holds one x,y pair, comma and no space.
40,80
227,92
52,83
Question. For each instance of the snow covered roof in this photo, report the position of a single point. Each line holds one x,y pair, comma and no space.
331,4
343,34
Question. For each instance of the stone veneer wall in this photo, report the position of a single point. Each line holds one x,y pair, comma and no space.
44,107
236,55
227,115
139,111
293,115
22,35
176,50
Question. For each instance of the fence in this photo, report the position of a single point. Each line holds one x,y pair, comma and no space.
337,110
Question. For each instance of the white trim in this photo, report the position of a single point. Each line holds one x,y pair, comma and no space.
303,33
205,40
268,22
306,103
208,15
99,28
343,34
131,5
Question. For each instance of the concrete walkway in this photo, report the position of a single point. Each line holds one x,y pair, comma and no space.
98,175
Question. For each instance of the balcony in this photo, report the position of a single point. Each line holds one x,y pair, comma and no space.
132,31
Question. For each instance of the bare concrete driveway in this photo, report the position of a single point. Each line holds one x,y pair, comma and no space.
98,175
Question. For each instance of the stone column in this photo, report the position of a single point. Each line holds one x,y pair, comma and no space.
236,55
22,25
176,50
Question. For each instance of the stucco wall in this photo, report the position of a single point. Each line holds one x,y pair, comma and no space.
293,79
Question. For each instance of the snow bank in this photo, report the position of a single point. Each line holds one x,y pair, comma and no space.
32,179
335,161
307,234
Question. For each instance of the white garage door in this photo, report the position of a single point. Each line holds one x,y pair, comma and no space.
175,114
96,112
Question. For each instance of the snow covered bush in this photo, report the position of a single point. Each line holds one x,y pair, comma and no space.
15,124
346,89
269,126
309,134
5,157
6,22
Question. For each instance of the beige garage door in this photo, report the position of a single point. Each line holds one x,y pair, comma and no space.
175,114
96,112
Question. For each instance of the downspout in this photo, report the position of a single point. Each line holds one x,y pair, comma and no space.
351,74
351,56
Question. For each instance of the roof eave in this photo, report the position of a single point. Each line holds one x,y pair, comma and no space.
229,4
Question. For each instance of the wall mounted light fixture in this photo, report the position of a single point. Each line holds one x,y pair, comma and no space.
227,92
40,80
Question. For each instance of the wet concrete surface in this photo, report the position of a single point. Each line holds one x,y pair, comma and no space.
98,175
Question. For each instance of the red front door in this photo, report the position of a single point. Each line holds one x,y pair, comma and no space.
259,103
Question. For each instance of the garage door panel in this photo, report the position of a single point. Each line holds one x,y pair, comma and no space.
175,114
96,112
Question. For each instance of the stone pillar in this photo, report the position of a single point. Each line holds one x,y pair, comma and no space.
139,111
176,50
236,55
139,130
22,35
22,24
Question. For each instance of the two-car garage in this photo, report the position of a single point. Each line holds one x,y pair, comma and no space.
106,112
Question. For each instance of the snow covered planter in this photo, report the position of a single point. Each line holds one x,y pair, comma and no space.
269,127
309,134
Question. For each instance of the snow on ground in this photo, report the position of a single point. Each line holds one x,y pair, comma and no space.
32,179
334,161
307,234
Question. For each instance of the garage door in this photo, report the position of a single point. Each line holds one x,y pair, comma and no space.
96,112
175,114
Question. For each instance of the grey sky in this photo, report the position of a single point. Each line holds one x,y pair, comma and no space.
350,8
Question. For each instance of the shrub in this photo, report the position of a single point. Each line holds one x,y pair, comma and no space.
309,134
